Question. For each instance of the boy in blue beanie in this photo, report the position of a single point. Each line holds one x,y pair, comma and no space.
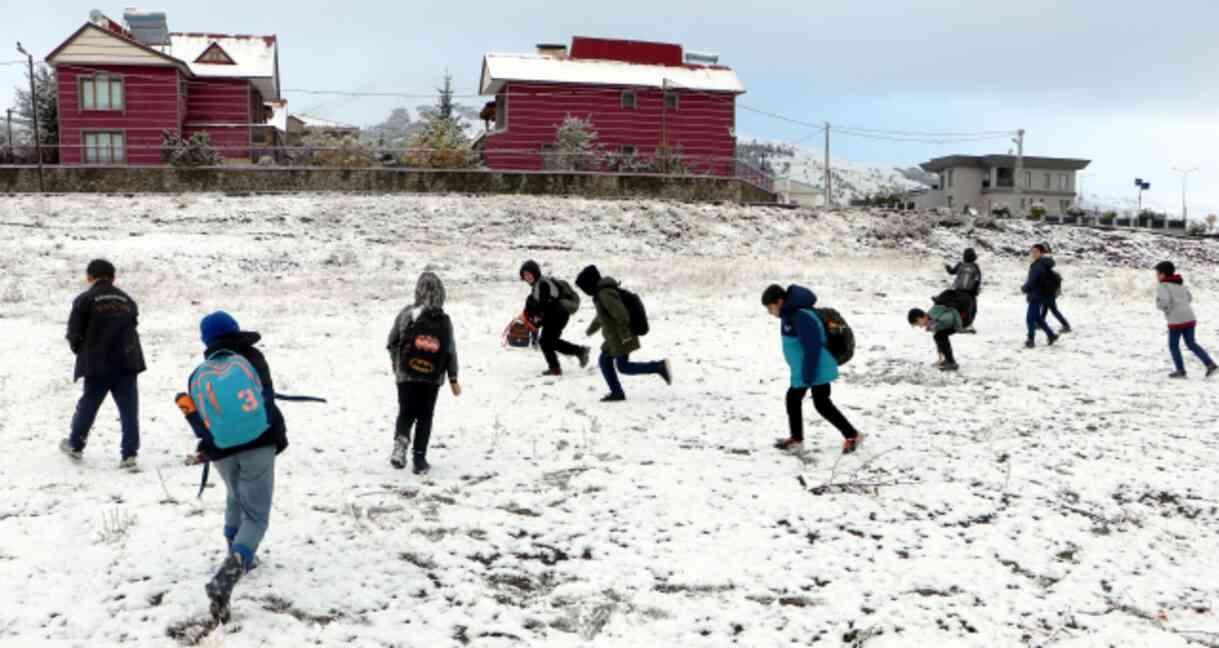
231,409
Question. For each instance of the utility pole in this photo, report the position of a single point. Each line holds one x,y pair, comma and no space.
664,122
829,178
1019,179
34,109
1184,178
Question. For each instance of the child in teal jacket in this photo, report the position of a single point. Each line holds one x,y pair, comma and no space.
812,367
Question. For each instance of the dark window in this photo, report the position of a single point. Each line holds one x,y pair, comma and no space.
628,149
671,101
214,55
628,100
501,111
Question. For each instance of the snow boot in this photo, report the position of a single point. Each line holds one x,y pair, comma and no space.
1210,371
1065,329
666,372
1177,374
397,458
613,398
65,447
1028,344
129,464
852,444
552,372
1054,338
583,355
220,588
421,465
949,366
789,444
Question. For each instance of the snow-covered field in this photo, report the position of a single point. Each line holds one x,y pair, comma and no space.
1063,496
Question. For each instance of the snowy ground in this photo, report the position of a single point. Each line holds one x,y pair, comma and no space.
1064,496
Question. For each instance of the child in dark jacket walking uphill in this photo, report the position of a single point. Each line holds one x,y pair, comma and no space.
614,321
232,411
102,334
812,366
1173,298
423,350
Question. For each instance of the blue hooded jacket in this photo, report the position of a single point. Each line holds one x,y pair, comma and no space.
803,337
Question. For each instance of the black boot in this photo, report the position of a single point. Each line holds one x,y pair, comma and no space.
421,465
220,588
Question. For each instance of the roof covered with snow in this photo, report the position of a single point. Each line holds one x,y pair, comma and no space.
501,68
318,122
279,115
254,57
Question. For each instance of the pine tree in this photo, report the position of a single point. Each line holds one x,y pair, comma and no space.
441,143
444,105
576,147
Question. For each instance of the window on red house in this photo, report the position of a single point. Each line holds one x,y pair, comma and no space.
105,147
671,101
215,55
629,150
102,92
628,100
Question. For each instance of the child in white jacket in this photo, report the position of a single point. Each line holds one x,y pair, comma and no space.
1174,299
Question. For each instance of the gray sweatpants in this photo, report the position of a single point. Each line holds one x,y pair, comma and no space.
250,478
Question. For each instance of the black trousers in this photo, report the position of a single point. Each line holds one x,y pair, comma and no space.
944,345
123,388
416,405
824,406
554,322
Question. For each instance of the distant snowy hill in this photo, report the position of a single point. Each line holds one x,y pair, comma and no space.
851,180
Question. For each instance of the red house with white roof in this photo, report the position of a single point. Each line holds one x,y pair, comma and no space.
642,99
122,84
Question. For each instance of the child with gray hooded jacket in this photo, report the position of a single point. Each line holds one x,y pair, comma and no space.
1173,298
423,351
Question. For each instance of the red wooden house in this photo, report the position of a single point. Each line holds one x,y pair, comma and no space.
643,99
122,84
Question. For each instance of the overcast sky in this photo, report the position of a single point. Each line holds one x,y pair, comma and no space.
1130,85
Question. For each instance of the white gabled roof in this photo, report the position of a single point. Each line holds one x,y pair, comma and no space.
279,114
318,122
254,57
499,68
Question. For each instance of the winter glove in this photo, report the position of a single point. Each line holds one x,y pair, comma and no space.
185,403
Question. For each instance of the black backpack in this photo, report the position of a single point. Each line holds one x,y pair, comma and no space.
639,315
1052,284
568,298
839,338
424,354
960,300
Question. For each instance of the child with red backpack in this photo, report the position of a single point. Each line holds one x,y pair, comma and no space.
423,351
550,304
231,409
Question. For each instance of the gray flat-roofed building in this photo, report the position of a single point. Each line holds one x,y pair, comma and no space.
989,182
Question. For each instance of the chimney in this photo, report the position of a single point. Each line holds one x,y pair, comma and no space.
702,58
552,50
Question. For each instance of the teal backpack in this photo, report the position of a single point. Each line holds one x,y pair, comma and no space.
228,394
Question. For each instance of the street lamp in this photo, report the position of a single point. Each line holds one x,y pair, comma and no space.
34,110
1143,186
1184,178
